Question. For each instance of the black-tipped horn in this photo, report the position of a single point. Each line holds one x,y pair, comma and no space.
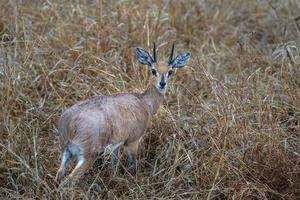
154,53
171,54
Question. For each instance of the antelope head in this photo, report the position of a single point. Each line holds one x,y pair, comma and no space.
162,70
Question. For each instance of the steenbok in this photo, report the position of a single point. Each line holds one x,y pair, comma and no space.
90,126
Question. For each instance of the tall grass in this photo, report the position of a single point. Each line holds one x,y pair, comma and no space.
229,126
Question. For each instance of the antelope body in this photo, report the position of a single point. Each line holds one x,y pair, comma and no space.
89,126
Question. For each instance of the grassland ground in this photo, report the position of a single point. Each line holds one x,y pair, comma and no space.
229,126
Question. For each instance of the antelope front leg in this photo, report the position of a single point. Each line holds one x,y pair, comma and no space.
131,152
115,157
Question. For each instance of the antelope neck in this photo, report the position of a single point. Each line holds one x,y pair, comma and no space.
153,98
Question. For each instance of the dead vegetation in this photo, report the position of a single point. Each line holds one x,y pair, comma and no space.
229,127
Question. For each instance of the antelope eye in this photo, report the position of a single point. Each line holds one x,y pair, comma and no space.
154,72
170,73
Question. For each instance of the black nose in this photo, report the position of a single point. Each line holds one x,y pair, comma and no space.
162,84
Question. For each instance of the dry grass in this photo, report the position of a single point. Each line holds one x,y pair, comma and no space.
229,126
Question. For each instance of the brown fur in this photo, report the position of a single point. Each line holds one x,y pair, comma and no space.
90,126
162,68
95,123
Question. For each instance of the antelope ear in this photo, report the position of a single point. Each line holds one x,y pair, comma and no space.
181,60
144,57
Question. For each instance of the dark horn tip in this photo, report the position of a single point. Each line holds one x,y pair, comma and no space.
171,54
154,52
